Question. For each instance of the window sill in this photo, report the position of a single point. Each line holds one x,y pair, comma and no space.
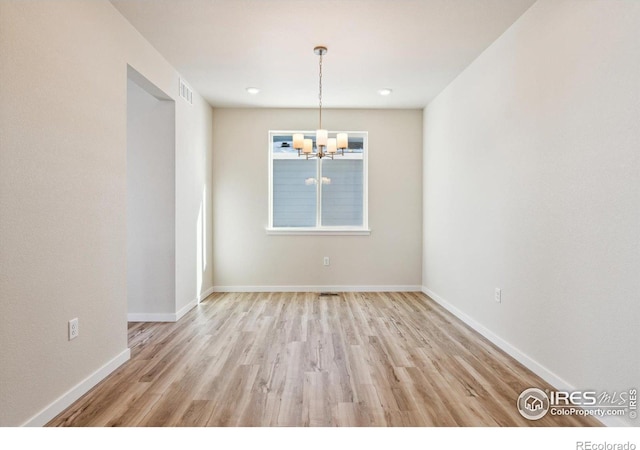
318,231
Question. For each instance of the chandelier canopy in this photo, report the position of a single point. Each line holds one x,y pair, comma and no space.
325,146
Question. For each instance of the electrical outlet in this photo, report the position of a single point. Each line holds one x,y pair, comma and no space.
74,329
325,261
498,295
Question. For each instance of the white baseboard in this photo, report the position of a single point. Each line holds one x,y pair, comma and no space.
162,317
169,317
205,294
63,402
186,308
151,317
524,359
369,288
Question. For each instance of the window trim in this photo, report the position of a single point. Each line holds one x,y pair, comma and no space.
326,231
363,230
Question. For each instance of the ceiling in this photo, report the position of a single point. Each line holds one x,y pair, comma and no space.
414,47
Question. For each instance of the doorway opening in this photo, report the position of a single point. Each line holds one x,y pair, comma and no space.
151,249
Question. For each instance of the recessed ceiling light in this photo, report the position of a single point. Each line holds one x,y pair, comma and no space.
385,91
253,90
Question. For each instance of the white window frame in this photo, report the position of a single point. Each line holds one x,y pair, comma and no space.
323,230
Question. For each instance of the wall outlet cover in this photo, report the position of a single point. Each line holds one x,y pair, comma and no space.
74,329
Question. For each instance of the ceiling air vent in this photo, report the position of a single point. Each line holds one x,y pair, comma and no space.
185,92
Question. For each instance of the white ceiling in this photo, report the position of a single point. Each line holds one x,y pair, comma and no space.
415,47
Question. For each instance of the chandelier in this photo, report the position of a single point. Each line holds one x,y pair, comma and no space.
325,146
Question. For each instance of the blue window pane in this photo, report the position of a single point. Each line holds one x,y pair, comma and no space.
342,192
294,193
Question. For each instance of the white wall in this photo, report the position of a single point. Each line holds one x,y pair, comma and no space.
63,67
245,256
151,210
194,239
532,184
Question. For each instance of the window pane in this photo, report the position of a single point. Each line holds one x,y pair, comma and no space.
342,192
294,192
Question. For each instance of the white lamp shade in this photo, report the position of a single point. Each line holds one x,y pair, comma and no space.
307,146
343,140
331,145
298,141
321,137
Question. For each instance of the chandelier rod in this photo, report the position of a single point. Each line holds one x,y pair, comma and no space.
320,90
325,146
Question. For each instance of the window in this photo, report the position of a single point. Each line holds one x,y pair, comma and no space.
317,196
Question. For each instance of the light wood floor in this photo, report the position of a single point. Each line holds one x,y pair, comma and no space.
298,359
